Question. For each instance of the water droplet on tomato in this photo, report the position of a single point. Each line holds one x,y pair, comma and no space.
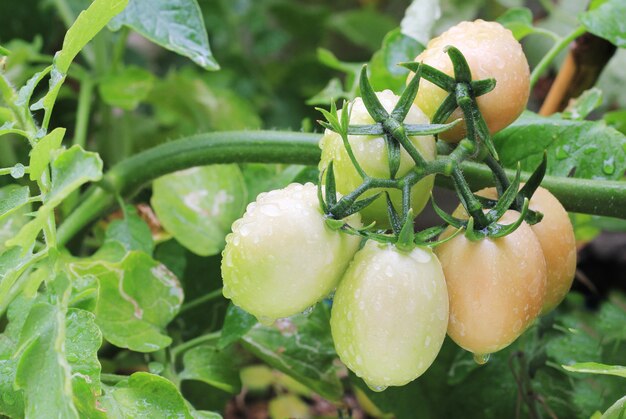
481,359
377,389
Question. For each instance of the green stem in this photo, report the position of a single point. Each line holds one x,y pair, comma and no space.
84,110
599,197
179,349
200,300
127,177
552,53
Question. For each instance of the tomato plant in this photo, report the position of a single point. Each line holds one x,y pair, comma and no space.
127,150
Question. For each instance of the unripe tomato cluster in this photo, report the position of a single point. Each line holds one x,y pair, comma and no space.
393,305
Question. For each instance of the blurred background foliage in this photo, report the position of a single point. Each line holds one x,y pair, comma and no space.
278,59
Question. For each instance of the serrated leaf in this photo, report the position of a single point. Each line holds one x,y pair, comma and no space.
176,25
43,372
607,21
216,367
70,170
592,149
12,198
137,298
41,154
301,347
198,206
144,395
127,88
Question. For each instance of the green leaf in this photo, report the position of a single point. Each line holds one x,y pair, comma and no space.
301,347
363,27
87,25
385,72
216,367
592,149
596,368
126,89
176,25
607,21
518,20
43,372
617,120
13,262
82,342
236,324
332,91
41,153
584,104
131,232
144,395
419,19
70,170
261,177
198,206
12,198
617,410
137,298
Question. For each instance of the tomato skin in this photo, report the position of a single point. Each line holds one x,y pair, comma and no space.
496,286
390,314
556,236
281,257
371,153
491,51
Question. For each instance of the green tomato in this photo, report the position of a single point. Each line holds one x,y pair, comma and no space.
281,257
371,153
491,51
390,314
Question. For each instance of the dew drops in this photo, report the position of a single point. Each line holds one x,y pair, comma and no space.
608,167
270,210
377,389
18,171
481,359
308,311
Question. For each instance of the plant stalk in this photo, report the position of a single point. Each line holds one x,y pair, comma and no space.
598,197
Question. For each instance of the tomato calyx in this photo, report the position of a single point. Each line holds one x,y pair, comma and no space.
462,94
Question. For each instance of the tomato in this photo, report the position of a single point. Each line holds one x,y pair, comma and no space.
281,257
371,153
491,51
496,286
389,314
556,236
